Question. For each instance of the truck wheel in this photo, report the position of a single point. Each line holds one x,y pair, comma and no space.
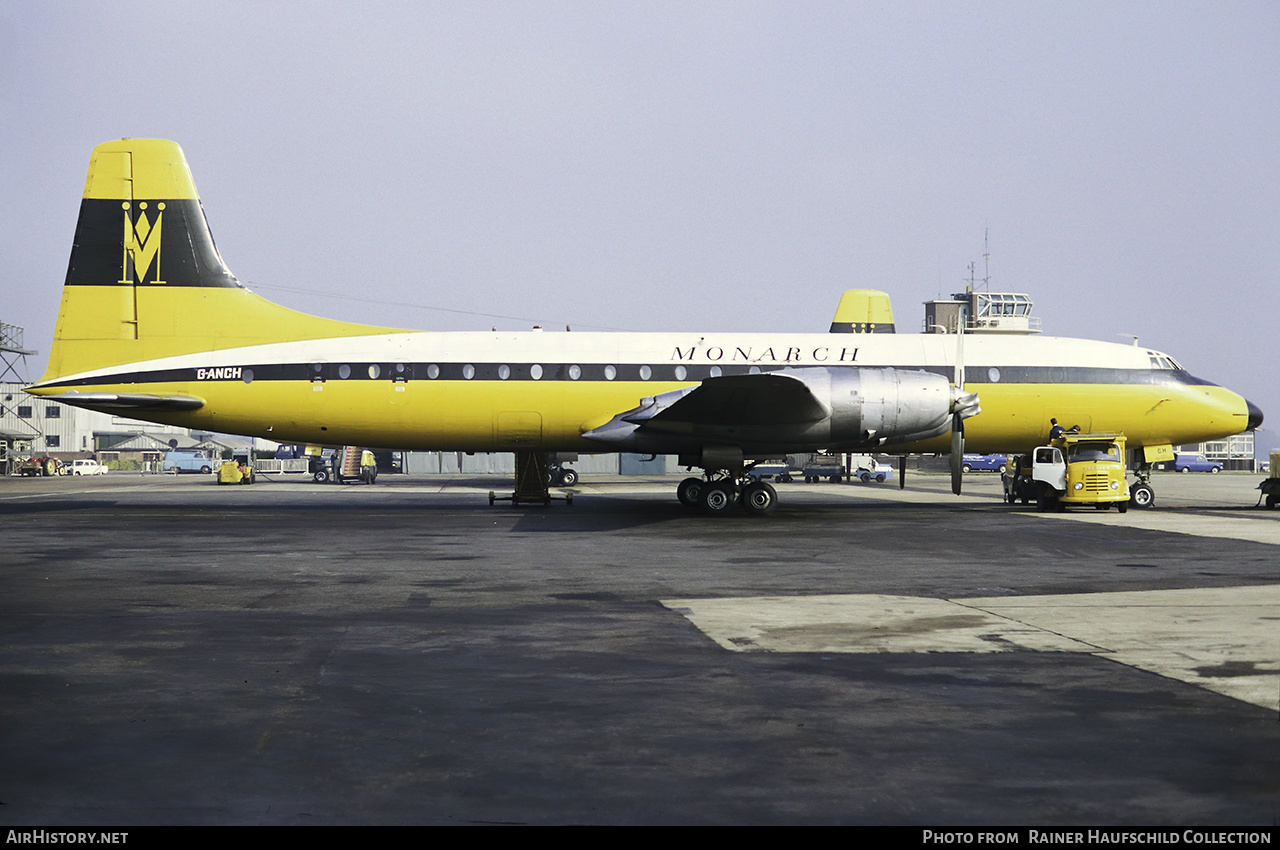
1122,507
866,477
321,476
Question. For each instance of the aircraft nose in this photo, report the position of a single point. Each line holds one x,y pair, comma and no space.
1255,415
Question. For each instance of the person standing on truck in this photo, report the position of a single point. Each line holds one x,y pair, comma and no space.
1056,430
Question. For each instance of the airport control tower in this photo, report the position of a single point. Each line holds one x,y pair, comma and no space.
982,312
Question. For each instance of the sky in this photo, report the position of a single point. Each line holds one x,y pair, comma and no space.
664,166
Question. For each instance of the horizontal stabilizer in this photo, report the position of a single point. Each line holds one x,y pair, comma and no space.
126,402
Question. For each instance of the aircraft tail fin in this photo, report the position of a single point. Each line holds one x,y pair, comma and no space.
863,311
145,279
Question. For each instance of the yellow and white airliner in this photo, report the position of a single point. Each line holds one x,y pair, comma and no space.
154,326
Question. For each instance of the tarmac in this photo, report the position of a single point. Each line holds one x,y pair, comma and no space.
177,652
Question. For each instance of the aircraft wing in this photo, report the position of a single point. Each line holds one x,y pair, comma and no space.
764,401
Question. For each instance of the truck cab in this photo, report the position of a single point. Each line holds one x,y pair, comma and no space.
1075,469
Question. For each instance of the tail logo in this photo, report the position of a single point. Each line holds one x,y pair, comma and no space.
141,244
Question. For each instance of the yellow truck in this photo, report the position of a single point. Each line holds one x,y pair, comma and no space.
1074,469
1270,485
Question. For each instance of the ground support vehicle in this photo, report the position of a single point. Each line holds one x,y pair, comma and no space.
877,472
1270,485
559,473
349,463
778,471
820,467
38,467
238,470
1075,469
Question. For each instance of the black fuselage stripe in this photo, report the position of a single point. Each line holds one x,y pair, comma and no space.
599,372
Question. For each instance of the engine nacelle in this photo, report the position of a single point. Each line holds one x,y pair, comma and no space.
871,407
787,410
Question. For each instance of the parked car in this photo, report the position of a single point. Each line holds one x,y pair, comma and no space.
1195,463
83,467
985,463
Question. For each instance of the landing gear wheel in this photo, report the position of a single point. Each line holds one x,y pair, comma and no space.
689,492
1142,496
717,499
759,498
568,478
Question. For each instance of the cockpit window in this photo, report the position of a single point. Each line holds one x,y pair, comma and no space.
1162,361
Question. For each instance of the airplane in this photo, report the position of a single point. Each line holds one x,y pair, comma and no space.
154,326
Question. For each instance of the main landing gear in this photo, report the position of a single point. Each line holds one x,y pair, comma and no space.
719,493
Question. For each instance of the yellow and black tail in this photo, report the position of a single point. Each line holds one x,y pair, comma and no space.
145,279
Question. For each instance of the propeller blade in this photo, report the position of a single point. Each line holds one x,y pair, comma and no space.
957,453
